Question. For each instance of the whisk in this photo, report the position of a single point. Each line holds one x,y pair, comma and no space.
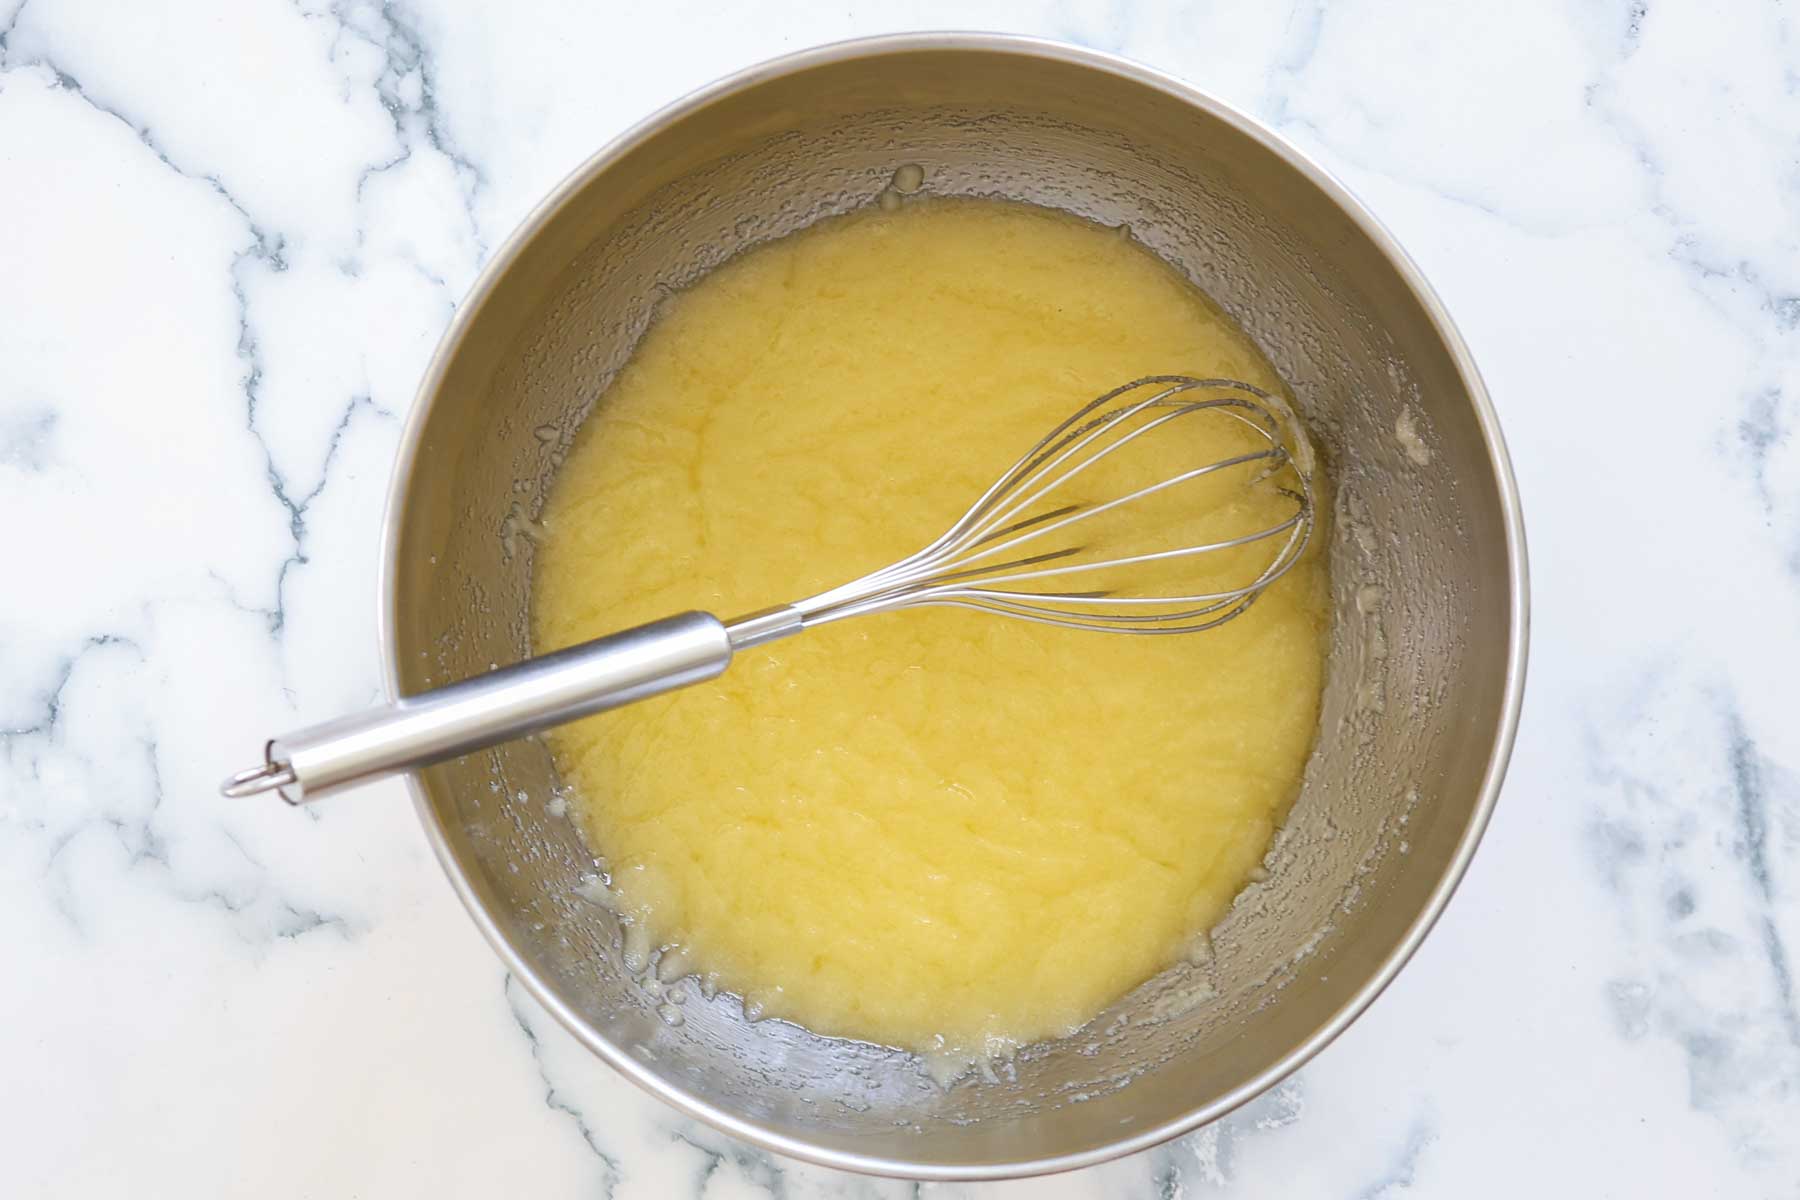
1024,550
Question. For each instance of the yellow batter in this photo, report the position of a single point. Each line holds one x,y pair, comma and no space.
938,830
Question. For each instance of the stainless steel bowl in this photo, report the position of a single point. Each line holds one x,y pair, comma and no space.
1427,553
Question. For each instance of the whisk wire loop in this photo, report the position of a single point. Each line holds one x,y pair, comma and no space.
977,563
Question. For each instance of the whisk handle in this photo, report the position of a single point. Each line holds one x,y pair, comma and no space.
480,712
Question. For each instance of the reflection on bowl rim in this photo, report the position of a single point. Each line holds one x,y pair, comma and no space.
617,1056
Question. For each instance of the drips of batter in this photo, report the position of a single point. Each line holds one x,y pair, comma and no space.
939,830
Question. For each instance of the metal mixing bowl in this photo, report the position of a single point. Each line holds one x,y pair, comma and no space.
1427,557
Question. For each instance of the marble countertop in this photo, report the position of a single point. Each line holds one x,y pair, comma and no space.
230,235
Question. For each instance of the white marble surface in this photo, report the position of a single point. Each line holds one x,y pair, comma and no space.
230,234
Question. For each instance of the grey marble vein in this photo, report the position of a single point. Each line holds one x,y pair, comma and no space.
1753,801
1711,968
554,1100
748,1166
1400,1179
407,87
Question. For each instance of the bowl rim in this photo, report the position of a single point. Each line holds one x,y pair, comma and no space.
1518,632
